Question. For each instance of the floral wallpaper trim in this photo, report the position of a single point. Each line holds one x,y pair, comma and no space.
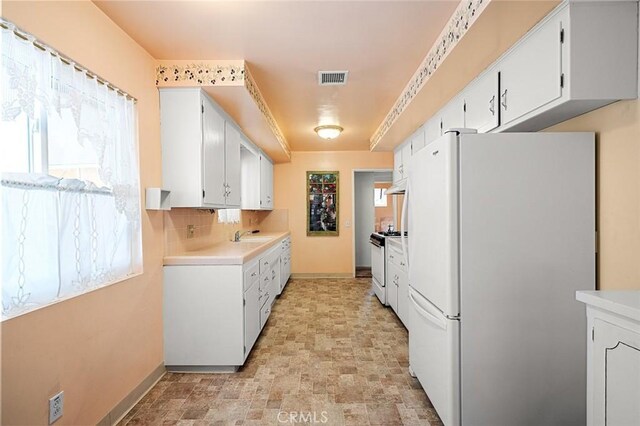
254,91
201,74
458,25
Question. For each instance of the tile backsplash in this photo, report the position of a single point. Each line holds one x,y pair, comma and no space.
208,231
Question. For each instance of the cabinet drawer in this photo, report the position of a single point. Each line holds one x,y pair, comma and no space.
251,275
394,255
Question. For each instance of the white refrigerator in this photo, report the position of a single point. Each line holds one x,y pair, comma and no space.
502,236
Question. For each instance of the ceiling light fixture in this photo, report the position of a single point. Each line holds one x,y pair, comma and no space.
328,131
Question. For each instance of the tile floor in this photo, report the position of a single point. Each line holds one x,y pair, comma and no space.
330,354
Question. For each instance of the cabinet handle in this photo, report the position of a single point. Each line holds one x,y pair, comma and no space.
391,256
504,99
492,105
253,274
402,264
266,278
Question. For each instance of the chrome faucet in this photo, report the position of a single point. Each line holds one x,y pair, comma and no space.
238,235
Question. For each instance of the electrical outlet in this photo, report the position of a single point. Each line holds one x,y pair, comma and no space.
56,405
191,231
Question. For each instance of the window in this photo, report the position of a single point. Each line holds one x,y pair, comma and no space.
70,178
380,197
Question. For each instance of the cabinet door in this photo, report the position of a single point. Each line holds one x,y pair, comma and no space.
232,165
252,324
397,164
212,155
406,157
266,183
431,130
452,115
392,286
616,375
403,298
481,103
417,141
530,74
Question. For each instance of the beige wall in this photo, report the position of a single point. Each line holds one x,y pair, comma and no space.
99,346
322,255
618,190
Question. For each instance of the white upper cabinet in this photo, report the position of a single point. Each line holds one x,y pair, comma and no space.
431,130
452,115
200,151
538,60
266,183
213,157
401,157
397,164
582,56
481,103
232,165
257,178
418,140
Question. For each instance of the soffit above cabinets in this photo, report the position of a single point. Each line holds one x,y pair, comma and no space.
495,27
232,86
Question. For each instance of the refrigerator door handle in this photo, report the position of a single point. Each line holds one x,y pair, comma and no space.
439,322
403,220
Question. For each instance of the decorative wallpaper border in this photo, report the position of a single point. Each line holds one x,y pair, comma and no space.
219,73
254,91
201,74
459,23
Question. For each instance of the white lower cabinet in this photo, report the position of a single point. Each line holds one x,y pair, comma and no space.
213,314
252,323
397,280
392,286
285,263
613,357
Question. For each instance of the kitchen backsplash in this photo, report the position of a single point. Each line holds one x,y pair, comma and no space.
207,230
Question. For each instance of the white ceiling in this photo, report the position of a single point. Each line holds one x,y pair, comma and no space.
381,43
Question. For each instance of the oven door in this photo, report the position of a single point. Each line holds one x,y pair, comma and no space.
377,262
379,290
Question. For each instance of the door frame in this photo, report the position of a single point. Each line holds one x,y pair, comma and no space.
353,210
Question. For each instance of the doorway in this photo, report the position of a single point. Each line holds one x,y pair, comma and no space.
372,211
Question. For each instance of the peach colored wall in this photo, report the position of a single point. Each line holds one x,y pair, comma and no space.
618,189
99,346
384,212
322,255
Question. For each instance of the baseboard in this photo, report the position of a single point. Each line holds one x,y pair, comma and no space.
129,401
306,276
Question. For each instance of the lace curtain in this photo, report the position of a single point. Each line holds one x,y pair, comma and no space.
62,237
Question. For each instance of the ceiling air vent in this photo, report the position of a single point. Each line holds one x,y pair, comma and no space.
332,78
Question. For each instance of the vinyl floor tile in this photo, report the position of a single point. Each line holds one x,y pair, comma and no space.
330,354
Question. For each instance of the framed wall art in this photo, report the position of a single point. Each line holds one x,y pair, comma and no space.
322,203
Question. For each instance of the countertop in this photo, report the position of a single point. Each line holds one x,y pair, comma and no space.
228,252
621,302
